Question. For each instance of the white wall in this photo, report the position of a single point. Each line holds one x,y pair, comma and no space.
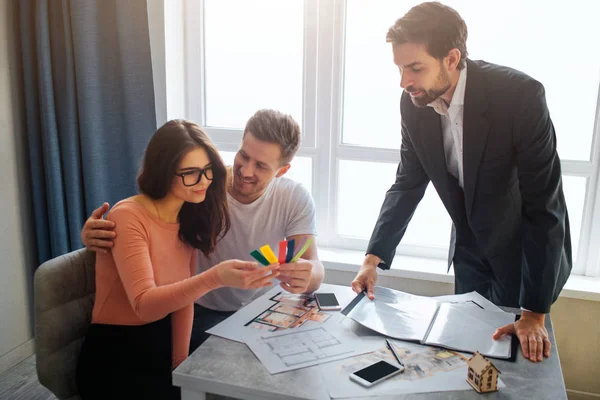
17,260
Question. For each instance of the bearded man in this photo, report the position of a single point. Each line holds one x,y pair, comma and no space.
482,134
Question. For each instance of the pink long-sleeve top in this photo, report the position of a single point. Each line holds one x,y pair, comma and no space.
149,274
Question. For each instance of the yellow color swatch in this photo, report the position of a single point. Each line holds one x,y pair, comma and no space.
268,253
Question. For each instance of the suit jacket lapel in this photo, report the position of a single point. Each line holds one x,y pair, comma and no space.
475,130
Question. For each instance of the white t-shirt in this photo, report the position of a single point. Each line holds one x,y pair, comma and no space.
285,209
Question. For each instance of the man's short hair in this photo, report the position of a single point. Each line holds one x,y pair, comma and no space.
440,28
272,126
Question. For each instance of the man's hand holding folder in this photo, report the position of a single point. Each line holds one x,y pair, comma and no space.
367,276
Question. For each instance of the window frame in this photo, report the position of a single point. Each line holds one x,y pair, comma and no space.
323,92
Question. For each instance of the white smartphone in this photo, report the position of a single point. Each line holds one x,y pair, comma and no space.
375,373
327,302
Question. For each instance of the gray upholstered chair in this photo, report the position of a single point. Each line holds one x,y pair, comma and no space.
64,289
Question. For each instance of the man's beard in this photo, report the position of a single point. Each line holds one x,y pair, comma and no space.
442,84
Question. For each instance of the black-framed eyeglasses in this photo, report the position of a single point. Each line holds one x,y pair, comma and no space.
192,177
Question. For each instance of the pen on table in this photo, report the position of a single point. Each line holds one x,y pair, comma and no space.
396,356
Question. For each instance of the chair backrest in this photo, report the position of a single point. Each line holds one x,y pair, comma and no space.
64,289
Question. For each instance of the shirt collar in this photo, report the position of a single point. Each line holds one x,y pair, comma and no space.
458,98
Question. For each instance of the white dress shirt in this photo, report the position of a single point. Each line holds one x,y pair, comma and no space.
452,127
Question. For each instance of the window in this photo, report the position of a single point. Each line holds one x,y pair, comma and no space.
470,375
327,64
242,72
489,385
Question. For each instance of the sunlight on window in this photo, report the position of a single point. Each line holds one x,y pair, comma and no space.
301,171
362,187
254,59
551,41
227,157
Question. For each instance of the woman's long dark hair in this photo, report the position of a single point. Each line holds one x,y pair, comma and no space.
202,225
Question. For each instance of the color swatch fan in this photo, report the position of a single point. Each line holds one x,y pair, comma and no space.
266,256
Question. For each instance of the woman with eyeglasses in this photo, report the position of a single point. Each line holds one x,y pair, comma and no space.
146,286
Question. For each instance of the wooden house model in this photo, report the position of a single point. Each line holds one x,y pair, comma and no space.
482,374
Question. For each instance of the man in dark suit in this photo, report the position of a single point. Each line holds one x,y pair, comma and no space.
482,134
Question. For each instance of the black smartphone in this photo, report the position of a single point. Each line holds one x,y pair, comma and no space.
375,373
327,302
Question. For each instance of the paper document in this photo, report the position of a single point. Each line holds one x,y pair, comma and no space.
303,347
427,369
274,311
463,324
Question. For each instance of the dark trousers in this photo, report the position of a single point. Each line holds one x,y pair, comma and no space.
497,279
127,362
204,319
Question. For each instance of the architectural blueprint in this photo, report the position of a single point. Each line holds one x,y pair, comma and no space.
292,349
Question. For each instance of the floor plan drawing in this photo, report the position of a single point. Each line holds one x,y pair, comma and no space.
298,348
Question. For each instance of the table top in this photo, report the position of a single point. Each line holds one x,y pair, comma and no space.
231,369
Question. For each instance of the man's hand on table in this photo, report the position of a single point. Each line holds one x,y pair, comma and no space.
532,334
296,277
